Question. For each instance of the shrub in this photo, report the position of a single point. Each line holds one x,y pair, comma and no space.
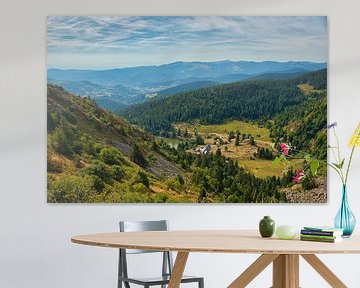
99,184
63,139
161,198
140,188
308,183
232,199
71,189
99,169
111,156
142,178
89,146
174,184
118,172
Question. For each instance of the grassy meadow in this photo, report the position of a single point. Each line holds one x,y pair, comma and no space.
259,133
242,153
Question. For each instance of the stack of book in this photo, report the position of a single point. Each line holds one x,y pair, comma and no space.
321,234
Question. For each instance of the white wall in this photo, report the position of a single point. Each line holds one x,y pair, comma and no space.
35,248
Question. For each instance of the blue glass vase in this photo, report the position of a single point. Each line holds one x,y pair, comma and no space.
345,219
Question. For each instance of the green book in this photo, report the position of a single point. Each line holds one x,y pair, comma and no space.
325,240
319,236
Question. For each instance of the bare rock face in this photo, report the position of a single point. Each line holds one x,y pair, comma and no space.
163,168
160,167
296,194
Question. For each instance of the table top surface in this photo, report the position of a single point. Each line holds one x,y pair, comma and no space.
217,241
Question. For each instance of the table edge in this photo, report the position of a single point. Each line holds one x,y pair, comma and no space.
205,250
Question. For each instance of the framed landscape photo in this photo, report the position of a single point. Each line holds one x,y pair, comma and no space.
184,109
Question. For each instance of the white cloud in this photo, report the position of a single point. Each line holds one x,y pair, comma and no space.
187,38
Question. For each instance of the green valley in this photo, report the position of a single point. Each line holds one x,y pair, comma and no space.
244,121
96,156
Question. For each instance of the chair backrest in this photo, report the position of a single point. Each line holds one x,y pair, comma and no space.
137,226
133,226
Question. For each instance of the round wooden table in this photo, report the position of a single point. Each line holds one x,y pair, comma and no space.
284,254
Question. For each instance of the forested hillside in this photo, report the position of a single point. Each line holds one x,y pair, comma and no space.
187,87
96,156
257,100
233,117
302,126
317,79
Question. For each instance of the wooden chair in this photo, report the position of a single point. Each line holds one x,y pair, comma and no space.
167,263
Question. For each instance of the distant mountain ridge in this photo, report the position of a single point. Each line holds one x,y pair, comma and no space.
116,89
178,72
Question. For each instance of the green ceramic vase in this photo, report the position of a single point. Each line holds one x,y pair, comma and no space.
267,227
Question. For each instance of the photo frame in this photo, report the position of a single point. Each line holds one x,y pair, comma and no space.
180,109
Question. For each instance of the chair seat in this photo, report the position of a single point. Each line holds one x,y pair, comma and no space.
158,280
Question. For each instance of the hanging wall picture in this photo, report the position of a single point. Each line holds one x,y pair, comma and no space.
186,109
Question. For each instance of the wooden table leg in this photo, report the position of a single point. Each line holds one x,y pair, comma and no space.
253,270
293,261
178,270
286,271
279,270
324,271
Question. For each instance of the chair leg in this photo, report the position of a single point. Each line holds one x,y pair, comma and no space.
119,270
201,283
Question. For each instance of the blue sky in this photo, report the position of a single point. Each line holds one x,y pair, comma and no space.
105,42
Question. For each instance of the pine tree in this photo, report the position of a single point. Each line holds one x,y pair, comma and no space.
237,139
252,141
155,146
137,156
142,178
231,136
186,133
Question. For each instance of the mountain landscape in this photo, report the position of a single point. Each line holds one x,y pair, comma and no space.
96,156
187,109
116,89
155,155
